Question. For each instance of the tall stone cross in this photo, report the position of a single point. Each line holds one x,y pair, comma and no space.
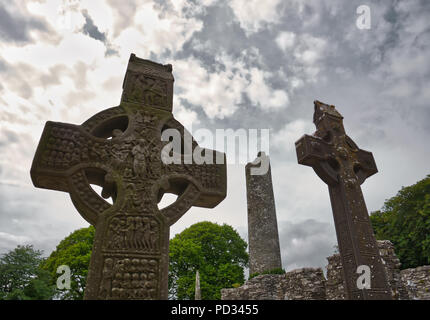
339,162
120,150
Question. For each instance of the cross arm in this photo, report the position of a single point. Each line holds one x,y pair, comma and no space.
364,165
61,162
315,152
201,185
55,155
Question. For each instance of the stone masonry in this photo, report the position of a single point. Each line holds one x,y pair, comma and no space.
263,238
417,282
299,284
335,284
303,284
310,283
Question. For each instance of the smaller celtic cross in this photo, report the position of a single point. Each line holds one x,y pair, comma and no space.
338,161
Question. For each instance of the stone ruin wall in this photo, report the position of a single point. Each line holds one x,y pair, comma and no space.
417,282
299,284
310,283
335,286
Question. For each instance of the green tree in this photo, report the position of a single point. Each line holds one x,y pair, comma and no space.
21,277
405,221
75,252
218,252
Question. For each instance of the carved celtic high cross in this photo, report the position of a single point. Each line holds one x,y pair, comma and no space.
339,162
119,149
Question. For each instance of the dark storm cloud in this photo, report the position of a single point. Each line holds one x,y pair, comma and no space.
15,27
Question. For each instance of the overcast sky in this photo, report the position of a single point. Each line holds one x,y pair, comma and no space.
237,64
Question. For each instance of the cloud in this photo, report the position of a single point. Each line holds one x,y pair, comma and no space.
124,13
16,27
285,40
306,243
91,29
23,78
224,89
254,14
3,66
8,241
221,93
262,94
285,138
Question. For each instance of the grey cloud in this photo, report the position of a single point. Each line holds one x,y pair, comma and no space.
91,29
9,241
219,33
16,27
30,216
53,75
348,67
7,138
110,51
306,244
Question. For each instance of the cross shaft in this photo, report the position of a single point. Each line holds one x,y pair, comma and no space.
338,161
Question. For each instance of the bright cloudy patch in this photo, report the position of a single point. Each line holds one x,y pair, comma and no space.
223,91
308,53
254,14
263,95
220,94
158,31
285,40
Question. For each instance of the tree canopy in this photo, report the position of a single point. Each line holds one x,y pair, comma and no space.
21,277
75,252
405,221
218,252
